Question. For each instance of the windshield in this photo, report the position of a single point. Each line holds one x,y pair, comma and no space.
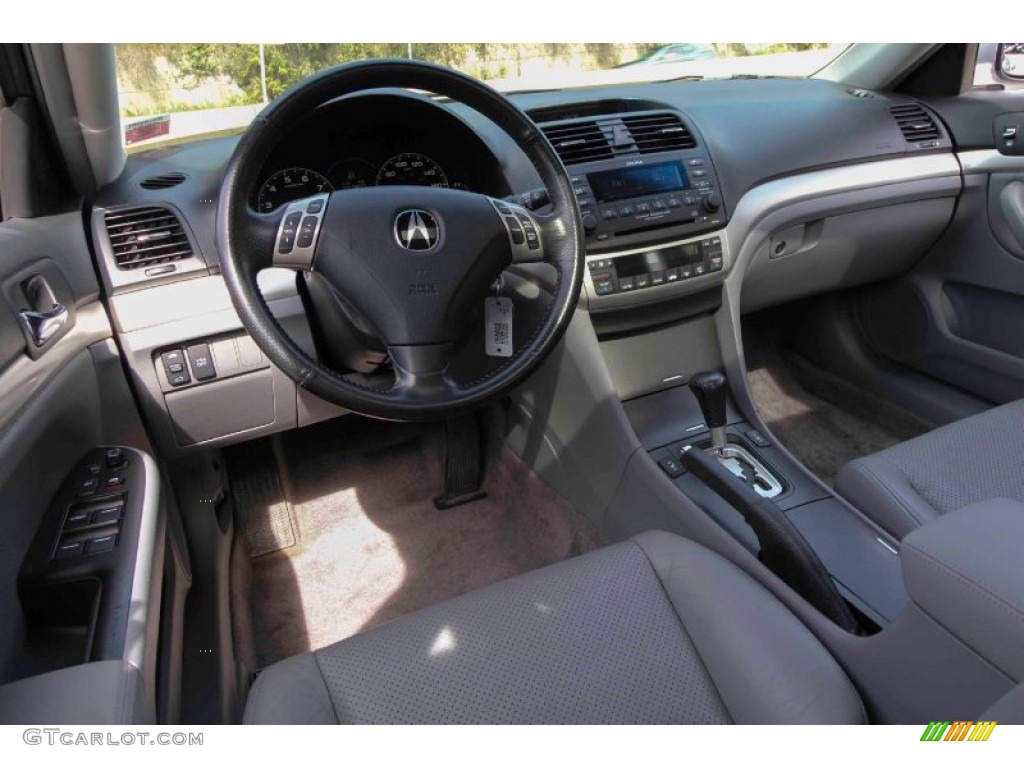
170,92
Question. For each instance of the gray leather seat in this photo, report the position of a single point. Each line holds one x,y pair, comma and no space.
653,630
969,461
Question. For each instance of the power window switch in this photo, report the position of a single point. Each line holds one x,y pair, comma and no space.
201,360
88,486
68,549
102,544
107,515
76,520
114,481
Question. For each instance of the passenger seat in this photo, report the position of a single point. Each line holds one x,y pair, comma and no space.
913,483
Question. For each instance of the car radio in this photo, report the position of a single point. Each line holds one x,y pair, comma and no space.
633,195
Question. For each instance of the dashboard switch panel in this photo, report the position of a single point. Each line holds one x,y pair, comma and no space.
201,362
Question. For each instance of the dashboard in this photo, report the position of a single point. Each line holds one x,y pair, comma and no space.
377,140
749,194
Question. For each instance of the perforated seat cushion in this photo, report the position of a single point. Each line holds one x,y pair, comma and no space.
654,630
967,462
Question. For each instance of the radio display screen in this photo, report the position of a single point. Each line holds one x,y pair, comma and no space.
655,261
624,183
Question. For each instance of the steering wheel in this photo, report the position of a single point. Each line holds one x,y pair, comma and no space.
416,262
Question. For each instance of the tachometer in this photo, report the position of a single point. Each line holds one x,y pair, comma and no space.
291,184
412,169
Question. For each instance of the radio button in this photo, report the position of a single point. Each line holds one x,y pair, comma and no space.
626,284
642,281
659,205
608,214
642,208
626,210
698,174
657,278
673,202
693,162
671,275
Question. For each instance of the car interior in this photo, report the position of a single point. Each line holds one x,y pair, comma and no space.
683,401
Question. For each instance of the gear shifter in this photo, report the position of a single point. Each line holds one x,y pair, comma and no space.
710,390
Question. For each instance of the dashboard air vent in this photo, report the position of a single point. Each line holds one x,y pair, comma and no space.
578,142
915,123
144,236
163,181
659,133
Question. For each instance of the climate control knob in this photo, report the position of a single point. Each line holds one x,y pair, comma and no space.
712,202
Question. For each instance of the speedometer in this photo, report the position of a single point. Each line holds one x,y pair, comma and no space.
411,169
291,184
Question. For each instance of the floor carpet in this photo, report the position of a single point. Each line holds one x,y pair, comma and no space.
343,534
823,420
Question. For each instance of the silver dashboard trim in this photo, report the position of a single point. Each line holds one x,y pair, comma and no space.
989,161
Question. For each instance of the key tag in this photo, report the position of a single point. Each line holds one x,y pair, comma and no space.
498,324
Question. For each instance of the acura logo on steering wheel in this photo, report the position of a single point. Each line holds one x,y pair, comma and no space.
416,230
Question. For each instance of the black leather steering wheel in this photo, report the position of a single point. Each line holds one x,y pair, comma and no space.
417,262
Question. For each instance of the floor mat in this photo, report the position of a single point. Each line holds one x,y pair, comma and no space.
820,418
369,544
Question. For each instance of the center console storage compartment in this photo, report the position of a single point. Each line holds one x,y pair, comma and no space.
965,571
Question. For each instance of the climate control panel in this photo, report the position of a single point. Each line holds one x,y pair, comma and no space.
666,265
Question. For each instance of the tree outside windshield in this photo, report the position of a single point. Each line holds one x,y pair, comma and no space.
170,92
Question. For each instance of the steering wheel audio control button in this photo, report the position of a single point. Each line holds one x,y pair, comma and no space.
515,230
523,232
297,233
286,242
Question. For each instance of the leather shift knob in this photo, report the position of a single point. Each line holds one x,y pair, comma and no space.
710,390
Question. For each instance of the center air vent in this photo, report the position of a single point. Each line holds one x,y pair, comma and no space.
915,123
142,237
163,181
659,133
578,142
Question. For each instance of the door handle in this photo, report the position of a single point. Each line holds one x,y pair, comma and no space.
42,325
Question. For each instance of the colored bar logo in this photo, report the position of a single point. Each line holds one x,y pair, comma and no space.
961,730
